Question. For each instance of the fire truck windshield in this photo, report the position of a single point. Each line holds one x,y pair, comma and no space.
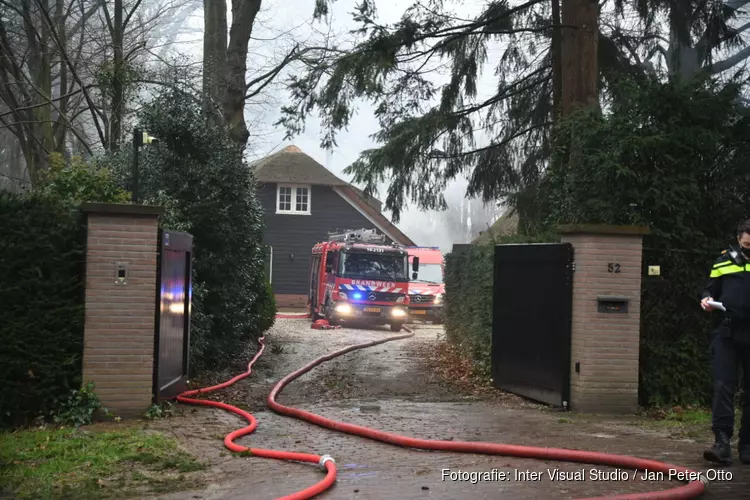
373,266
430,273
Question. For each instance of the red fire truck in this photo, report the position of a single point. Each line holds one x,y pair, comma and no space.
357,276
426,293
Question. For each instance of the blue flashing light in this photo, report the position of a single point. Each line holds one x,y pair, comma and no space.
357,296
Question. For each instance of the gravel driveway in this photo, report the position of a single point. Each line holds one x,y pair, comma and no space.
387,387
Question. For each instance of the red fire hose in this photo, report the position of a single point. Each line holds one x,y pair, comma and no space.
324,461
693,489
292,316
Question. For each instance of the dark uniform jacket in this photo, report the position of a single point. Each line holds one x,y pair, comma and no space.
729,283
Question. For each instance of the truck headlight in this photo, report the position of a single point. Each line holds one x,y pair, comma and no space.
343,308
438,298
398,313
400,299
342,295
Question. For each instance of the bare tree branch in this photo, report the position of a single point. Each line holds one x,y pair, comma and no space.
74,74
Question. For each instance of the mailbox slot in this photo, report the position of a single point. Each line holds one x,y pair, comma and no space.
612,304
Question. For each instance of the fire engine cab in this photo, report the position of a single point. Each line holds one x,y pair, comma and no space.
426,293
357,276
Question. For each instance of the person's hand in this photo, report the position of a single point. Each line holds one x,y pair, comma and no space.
705,305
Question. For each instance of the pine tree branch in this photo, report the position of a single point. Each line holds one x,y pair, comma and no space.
443,156
730,62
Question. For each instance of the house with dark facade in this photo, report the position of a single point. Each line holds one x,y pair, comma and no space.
303,203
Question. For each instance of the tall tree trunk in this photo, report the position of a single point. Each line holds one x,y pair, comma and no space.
580,74
16,165
214,55
40,65
118,78
580,69
556,58
37,162
225,66
556,160
60,128
243,18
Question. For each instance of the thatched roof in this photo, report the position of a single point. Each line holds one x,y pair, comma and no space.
291,165
506,225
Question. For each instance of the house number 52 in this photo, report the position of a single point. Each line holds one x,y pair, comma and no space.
613,267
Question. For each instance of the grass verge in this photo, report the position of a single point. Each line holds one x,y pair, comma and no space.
66,463
689,422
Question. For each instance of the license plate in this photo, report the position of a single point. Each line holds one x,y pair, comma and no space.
372,309
419,311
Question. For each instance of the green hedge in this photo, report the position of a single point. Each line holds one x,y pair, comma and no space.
468,298
674,361
468,302
42,303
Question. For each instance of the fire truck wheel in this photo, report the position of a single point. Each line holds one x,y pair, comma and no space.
396,327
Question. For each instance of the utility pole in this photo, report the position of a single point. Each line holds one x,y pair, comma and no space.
139,138
137,141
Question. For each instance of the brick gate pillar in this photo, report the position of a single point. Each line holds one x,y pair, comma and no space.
119,333
606,315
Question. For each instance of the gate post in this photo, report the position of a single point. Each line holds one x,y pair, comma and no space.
605,340
118,346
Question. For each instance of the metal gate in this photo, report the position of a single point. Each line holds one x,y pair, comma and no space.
174,297
531,324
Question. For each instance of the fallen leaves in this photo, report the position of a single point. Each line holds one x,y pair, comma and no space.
447,362
451,366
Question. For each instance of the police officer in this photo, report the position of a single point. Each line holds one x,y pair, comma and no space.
729,283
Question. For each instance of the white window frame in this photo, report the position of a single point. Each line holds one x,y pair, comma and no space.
294,188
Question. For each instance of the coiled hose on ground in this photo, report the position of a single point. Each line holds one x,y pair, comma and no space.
691,490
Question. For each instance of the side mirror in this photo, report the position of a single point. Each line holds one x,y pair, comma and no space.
415,265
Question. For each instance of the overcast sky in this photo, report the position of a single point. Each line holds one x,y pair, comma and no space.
283,20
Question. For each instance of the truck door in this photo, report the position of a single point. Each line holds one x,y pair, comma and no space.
332,262
314,278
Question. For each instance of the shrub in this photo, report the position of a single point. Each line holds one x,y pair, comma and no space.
80,407
674,362
77,181
198,174
42,301
265,308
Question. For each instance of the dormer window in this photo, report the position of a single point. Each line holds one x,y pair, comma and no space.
293,199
